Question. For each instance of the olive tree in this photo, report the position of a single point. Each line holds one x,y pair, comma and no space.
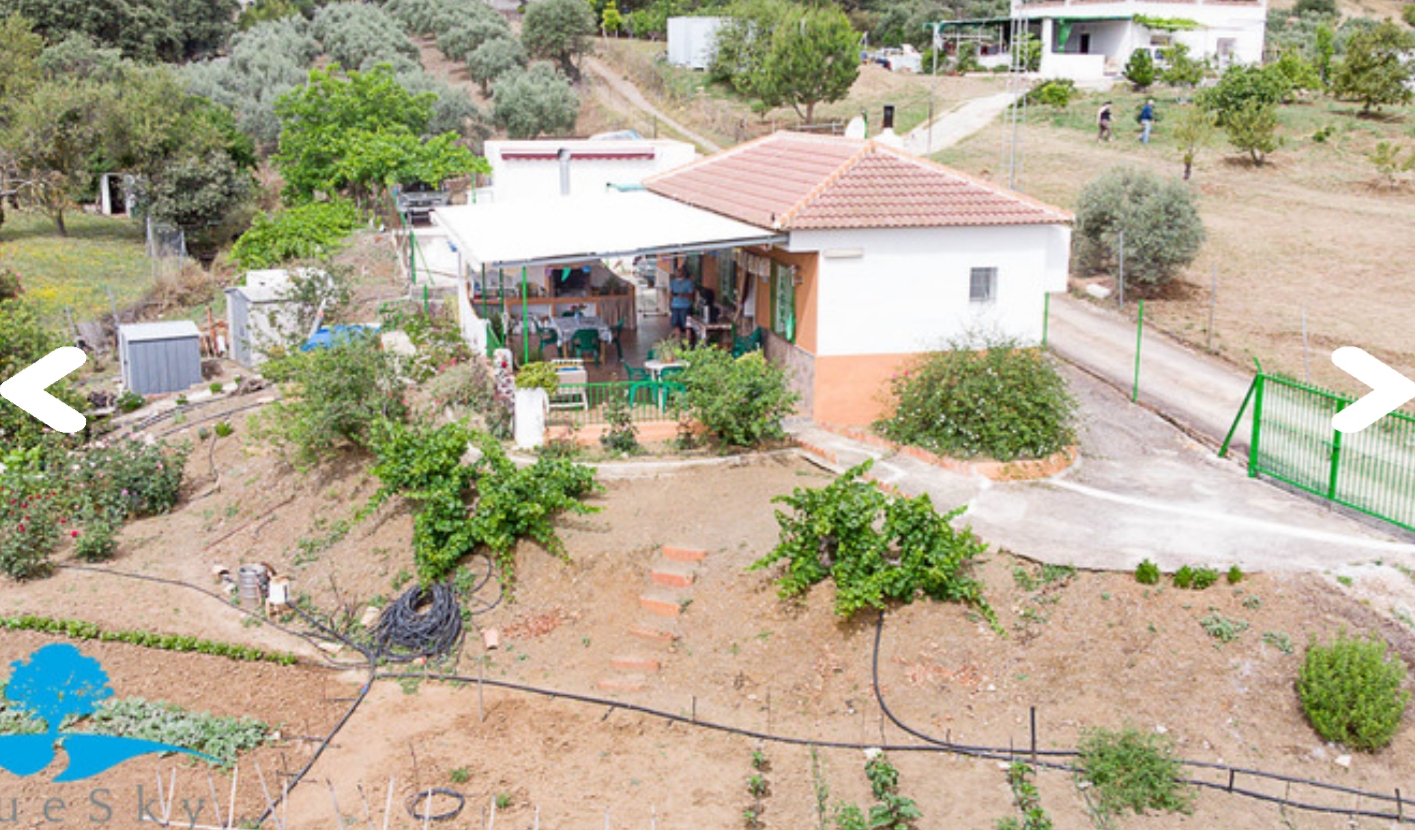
1163,231
559,31
493,59
1377,69
534,102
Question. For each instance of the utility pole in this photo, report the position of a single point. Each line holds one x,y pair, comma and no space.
933,82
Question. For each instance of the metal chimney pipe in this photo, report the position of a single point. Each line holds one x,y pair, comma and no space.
564,157
888,117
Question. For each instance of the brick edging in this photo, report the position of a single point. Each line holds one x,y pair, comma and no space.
1024,470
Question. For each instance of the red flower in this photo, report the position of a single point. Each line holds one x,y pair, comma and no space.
74,533
22,528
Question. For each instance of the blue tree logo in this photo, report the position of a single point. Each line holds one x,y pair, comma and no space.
56,683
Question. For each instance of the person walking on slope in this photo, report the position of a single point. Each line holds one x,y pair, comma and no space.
1147,120
1103,123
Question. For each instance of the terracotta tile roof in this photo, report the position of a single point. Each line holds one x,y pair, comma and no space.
795,181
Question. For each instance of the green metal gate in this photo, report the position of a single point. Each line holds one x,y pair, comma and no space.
1372,471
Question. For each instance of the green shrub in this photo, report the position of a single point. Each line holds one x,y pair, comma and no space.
1235,575
333,396
877,548
1140,69
1253,130
1054,93
1184,577
1407,13
95,542
1243,85
538,376
1147,573
129,478
741,401
1131,770
224,429
424,464
1351,691
995,399
130,401
307,231
24,338
1204,577
1163,231
1221,628
29,530
622,435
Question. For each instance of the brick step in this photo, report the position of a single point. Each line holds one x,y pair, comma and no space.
673,573
663,603
660,631
634,663
678,554
624,683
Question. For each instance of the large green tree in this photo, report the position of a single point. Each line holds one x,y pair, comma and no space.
560,31
1377,68
493,59
49,140
1163,231
779,54
814,58
361,132
203,196
535,102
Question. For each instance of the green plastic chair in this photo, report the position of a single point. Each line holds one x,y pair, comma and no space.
669,387
639,380
549,337
585,341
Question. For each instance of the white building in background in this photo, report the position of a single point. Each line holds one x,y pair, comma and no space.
541,168
1089,41
692,41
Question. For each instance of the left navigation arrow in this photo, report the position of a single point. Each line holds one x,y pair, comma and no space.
26,389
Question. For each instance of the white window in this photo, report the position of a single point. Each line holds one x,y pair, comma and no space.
982,285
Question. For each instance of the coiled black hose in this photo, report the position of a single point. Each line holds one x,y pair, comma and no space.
423,622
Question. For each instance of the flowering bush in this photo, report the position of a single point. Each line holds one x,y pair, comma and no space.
991,398
127,479
28,531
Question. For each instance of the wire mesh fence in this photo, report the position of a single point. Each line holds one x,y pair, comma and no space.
1371,471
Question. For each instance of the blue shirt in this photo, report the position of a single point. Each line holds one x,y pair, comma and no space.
682,289
1147,113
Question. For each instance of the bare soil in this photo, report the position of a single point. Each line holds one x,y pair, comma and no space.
1100,650
1308,230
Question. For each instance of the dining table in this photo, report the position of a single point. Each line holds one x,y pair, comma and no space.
566,327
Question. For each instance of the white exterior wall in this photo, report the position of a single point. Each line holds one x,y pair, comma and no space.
1243,24
515,180
692,41
907,291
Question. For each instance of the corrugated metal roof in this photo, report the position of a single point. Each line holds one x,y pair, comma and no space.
172,330
794,181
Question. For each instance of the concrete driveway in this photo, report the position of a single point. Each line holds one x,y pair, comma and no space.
1142,489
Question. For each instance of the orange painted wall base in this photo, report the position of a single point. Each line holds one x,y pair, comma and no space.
853,390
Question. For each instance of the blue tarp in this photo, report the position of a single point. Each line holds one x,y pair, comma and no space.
326,336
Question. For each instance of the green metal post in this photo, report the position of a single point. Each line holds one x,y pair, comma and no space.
412,257
1335,463
1046,317
525,322
1139,331
1258,383
1223,450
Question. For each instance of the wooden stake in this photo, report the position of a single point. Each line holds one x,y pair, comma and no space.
481,708
606,818
491,823
427,808
280,825
231,808
215,802
368,814
388,805
1034,736
536,825
338,816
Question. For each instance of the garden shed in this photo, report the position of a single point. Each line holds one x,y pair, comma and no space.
157,358
260,316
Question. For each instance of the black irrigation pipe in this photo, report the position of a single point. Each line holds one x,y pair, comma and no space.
1233,772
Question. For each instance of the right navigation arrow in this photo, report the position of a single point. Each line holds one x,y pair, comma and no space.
1389,389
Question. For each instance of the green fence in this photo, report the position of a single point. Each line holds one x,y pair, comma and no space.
1293,441
587,404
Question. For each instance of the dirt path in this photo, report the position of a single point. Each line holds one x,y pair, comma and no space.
957,124
628,93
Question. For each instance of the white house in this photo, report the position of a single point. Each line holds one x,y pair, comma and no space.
852,255
886,255
692,41
1087,41
541,168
